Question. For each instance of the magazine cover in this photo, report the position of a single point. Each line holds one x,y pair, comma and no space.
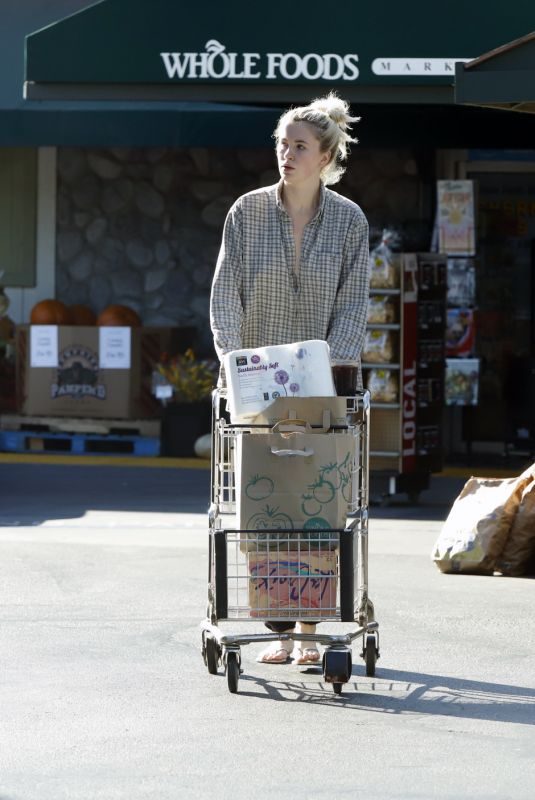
455,216
462,381
460,332
461,282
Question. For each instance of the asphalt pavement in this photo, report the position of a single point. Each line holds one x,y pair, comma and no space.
104,693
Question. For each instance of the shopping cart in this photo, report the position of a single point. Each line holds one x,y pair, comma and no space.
263,574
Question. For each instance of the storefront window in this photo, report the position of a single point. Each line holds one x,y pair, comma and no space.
505,288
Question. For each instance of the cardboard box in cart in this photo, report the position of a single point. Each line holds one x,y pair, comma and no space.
77,385
280,583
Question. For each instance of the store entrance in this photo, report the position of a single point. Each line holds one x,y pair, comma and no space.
505,329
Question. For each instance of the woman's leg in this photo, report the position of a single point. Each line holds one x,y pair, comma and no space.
280,627
277,652
305,652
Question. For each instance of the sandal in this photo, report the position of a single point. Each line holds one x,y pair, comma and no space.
275,653
303,656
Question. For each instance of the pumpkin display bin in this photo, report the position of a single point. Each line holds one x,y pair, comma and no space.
90,371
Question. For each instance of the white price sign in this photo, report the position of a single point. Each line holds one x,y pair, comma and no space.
114,348
44,346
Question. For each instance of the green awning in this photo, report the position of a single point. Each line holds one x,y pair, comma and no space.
136,124
503,78
232,52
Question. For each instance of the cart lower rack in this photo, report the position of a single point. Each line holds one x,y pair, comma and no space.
275,569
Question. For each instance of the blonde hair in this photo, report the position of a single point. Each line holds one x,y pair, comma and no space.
329,117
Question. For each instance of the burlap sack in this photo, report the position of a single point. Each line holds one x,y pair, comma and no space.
520,544
478,524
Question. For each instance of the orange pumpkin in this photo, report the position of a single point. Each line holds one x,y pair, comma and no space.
119,316
50,312
82,315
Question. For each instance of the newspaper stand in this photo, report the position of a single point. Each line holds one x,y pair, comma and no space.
340,593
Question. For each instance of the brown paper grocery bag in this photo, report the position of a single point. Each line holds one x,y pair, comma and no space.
294,480
520,544
475,532
311,409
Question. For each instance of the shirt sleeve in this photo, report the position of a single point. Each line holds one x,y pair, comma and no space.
226,309
347,328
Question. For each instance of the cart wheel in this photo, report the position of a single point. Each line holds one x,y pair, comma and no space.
212,655
337,667
337,688
370,655
233,672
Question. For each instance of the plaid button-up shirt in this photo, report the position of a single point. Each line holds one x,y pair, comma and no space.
259,299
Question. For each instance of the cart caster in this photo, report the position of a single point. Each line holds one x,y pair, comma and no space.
370,654
337,668
212,654
233,671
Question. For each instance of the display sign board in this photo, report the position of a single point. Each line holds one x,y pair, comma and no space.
43,346
114,348
408,377
455,217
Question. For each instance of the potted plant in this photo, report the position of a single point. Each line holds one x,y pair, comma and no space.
185,384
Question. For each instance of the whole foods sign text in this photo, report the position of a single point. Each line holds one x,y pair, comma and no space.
215,63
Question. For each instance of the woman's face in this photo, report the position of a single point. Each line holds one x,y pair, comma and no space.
299,157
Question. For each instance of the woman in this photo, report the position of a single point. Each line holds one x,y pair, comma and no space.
294,265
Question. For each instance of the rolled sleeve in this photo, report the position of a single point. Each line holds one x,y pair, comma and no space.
347,327
226,307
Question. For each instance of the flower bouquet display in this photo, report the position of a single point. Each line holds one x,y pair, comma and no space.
184,384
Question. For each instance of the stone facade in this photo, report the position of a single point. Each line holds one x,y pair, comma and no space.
142,227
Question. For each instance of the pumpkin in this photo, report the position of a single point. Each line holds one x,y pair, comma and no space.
119,316
50,312
82,315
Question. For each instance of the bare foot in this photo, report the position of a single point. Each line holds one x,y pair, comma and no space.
275,653
305,655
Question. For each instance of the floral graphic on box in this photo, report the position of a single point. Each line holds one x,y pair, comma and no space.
293,581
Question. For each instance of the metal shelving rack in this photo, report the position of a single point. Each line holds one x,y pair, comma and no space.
405,436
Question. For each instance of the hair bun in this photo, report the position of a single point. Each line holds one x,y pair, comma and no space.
331,122
335,108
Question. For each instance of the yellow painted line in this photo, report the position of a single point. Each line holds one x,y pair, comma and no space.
203,463
105,461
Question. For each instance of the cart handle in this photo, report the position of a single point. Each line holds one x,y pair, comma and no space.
308,451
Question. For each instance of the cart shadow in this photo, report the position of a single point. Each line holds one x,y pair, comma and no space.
399,692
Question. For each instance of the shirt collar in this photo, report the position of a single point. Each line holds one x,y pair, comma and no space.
321,204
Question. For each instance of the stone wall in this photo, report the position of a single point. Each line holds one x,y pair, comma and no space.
142,227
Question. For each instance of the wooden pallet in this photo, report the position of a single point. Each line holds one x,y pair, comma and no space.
31,441
101,427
